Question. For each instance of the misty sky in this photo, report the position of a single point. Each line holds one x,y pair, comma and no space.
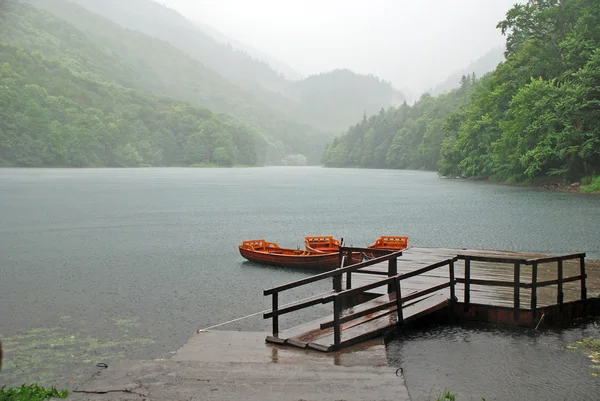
415,44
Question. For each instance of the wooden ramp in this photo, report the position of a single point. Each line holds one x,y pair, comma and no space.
319,334
384,293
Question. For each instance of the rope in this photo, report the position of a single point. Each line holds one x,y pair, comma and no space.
258,313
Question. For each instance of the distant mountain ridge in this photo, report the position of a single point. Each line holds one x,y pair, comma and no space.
487,63
280,67
332,114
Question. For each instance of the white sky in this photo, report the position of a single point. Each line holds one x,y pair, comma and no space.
414,44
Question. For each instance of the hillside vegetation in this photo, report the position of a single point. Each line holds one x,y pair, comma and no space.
536,117
51,117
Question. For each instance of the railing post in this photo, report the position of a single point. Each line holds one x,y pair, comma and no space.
337,333
534,269
582,272
392,271
452,282
399,302
517,302
337,283
467,282
349,274
559,293
275,317
337,279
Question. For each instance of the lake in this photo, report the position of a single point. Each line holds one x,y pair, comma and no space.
104,263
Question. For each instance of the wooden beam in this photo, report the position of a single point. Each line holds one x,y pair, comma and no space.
559,293
554,282
293,308
419,294
583,276
399,302
337,330
534,271
392,271
331,273
275,318
492,283
452,281
549,259
467,282
492,259
517,300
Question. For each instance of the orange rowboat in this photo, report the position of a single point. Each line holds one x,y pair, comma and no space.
327,244
322,243
270,253
389,242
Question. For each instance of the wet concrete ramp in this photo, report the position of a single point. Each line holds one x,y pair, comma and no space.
205,381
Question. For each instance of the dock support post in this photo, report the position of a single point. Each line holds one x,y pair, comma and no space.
392,271
517,301
559,293
467,282
349,274
337,332
534,269
275,317
399,302
582,272
452,281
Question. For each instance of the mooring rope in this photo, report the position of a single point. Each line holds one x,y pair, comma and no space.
262,311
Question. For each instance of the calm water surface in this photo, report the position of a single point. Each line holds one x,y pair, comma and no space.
98,264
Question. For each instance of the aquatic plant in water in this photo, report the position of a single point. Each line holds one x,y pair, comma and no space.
591,345
32,392
44,354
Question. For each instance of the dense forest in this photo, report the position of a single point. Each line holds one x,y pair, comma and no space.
51,117
535,117
406,137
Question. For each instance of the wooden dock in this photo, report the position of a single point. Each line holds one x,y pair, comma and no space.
382,294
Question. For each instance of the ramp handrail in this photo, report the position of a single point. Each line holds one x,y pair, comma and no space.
337,276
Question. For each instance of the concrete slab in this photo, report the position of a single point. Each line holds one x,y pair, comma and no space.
238,346
195,381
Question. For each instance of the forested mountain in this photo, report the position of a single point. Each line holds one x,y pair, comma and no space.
95,48
341,95
301,101
535,117
53,116
158,21
479,67
407,137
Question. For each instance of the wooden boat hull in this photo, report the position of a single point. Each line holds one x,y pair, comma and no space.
269,253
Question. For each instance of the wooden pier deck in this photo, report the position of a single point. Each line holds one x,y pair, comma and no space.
416,258
379,295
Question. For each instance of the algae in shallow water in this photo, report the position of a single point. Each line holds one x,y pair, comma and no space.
591,345
40,354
